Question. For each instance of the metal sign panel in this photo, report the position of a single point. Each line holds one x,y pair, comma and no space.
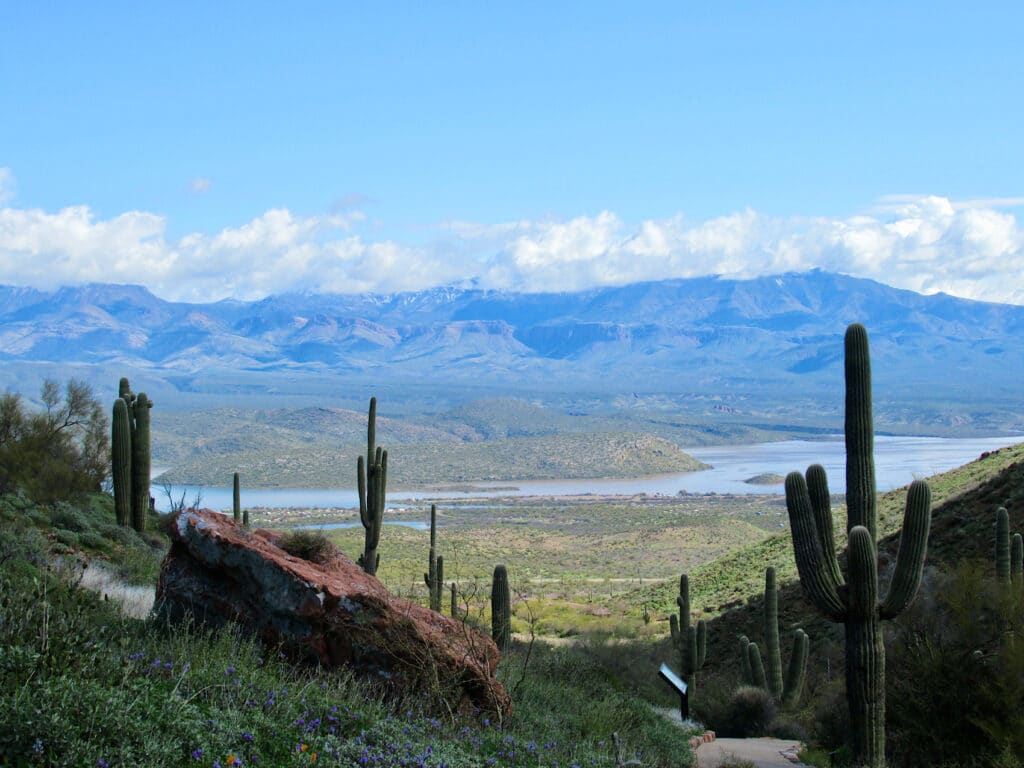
672,679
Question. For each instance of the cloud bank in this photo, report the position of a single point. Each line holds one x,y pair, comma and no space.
972,249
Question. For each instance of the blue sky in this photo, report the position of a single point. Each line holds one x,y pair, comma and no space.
536,146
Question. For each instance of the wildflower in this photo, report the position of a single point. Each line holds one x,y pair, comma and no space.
230,760
303,747
312,758
229,671
101,763
246,736
37,746
197,754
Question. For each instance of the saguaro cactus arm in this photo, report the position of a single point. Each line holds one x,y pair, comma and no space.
917,518
796,672
817,577
861,501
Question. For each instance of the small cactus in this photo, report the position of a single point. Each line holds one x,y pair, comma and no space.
691,641
245,518
1017,560
236,499
455,601
371,481
501,609
785,690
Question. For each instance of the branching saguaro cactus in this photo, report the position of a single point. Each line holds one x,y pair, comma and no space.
236,498
371,481
856,602
130,456
691,641
785,690
501,609
434,577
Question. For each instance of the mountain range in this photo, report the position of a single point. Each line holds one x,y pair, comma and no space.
731,345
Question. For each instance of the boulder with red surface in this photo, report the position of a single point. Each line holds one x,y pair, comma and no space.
329,612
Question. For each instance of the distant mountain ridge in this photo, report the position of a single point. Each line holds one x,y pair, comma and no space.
707,334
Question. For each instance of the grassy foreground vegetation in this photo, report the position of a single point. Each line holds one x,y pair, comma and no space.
84,684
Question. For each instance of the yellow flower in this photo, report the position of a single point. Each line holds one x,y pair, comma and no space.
312,758
231,760
303,748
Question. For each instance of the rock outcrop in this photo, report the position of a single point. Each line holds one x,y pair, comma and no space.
330,613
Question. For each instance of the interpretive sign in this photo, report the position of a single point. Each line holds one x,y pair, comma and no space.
679,686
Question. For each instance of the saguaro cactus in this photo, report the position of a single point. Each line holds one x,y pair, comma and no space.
856,602
455,601
236,498
691,641
1003,546
785,690
501,609
140,461
371,480
1017,560
434,577
121,460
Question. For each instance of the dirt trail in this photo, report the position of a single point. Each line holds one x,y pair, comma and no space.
764,753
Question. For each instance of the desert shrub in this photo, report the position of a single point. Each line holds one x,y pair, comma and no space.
311,545
22,543
957,658
67,538
750,712
59,452
63,515
93,540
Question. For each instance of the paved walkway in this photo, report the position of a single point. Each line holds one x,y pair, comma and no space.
764,753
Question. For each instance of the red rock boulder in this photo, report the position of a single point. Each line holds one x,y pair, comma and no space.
330,613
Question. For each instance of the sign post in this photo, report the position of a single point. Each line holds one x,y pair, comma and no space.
679,686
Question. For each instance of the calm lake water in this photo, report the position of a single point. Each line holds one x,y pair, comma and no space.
898,460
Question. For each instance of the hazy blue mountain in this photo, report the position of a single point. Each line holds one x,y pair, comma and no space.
770,338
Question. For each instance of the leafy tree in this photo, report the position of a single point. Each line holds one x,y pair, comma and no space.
58,452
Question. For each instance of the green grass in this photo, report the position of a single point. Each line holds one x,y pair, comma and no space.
83,684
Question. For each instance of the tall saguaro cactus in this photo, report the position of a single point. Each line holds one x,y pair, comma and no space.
140,461
130,456
371,481
691,641
434,577
236,498
501,608
121,460
856,603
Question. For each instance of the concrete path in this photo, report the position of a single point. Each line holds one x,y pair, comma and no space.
764,753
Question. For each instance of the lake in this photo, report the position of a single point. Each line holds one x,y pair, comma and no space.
898,460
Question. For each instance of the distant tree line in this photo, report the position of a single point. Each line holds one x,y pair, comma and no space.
57,452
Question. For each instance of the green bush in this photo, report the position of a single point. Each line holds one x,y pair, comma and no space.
309,544
63,515
67,538
750,713
958,659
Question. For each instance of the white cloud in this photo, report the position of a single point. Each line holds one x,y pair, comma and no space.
7,185
200,184
924,243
